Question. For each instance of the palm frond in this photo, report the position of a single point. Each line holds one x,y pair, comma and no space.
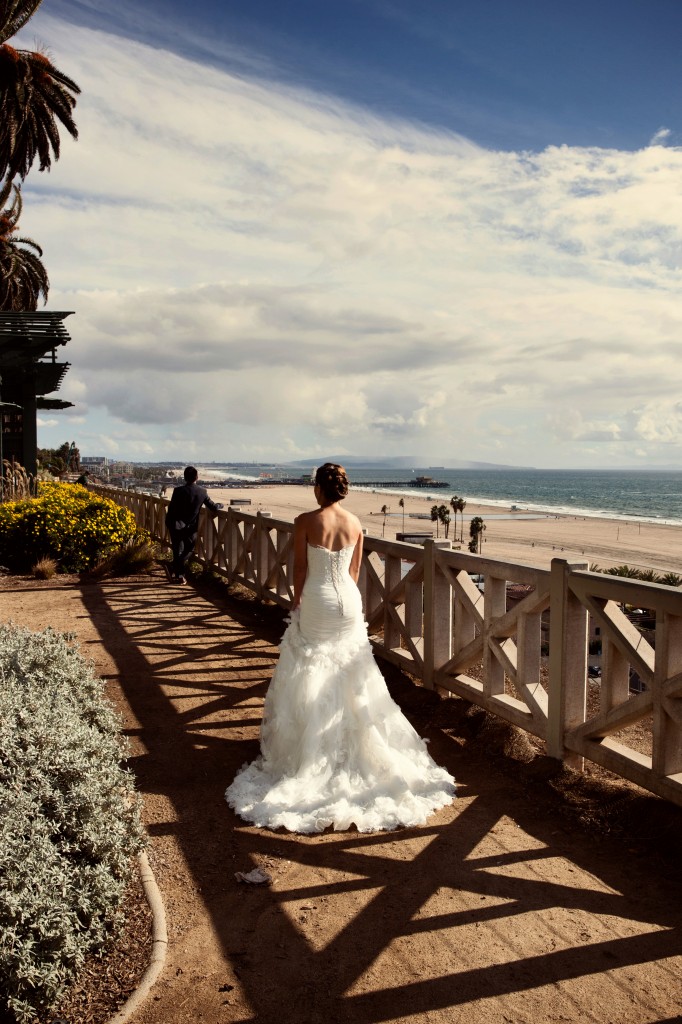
34,96
9,217
29,242
14,14
23,277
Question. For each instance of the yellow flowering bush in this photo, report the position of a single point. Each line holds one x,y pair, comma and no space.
65,522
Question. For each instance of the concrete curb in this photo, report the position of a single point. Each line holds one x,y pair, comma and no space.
159,943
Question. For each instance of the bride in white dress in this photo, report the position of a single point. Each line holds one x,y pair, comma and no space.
335,748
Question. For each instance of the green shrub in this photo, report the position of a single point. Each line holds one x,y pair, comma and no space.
65,522
69,818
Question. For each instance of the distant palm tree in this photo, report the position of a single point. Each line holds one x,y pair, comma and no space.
34,96
454,505
435,518
671,579
444,517
385,510
401,503
461,505
23,278
627,571
476,528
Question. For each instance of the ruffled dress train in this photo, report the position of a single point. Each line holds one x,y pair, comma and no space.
335,748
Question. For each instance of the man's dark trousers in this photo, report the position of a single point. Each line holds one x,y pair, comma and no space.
182,520
183,543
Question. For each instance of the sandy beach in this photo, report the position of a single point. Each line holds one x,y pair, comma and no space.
514,538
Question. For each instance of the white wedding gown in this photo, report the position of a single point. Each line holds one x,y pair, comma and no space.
335,748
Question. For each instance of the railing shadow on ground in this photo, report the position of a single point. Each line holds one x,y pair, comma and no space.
529,934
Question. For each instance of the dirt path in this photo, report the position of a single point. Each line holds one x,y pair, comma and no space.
502,909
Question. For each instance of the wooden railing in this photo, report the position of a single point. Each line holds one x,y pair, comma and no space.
426,614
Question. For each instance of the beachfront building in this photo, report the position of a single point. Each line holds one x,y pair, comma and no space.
29,372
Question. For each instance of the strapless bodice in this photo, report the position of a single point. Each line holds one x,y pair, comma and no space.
330,603
329,566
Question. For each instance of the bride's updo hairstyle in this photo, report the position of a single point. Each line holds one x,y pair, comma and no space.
332,481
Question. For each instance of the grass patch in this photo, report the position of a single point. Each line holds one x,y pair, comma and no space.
136,556
45,568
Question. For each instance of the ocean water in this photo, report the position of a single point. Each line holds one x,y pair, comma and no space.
644,496
614,494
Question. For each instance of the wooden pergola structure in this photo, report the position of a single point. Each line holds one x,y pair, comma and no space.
29,371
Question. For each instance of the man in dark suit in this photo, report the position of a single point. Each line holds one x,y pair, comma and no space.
182,519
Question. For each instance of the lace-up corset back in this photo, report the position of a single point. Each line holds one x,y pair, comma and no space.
330,604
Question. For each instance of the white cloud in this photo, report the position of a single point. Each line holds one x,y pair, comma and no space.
660,423
260,270
660,137
570,424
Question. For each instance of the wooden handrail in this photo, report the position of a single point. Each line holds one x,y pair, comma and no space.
428,616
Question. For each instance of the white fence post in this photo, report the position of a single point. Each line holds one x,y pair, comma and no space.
437,614
261,554
567,661
429,596
494,606
392,570
667,723
232,546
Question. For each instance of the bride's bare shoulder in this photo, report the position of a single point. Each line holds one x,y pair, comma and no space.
353,522
307,520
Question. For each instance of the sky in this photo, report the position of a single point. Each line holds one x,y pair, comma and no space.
442,228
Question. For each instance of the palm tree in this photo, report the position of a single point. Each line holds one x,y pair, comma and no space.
401,503
23,278
385,511
454,505
461,505
476,528
627,571
671,579
444,517
34,96
435,518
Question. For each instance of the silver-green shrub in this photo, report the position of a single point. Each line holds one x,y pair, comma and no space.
69,818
